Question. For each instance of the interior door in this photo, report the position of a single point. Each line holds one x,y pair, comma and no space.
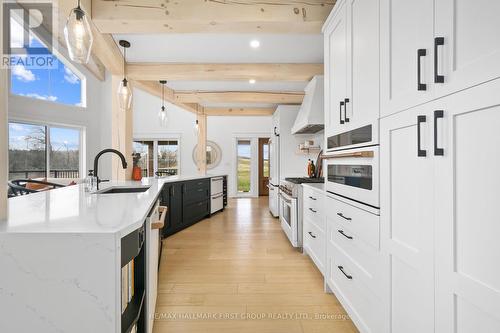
407,223
363,81
336,71
467,193
471,51
406,27
264,170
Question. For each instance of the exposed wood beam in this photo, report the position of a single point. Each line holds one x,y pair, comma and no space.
209,16
201,160
104,47
239,111
154,88
227,72
239,97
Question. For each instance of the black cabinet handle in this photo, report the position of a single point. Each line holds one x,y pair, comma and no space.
311,234
438,41
312,210
312,198
437,151
343,234
341,268
275,131
345,218
342,103
420,53
420,152
345,110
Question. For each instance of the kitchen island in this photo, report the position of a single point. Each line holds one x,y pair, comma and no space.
61,257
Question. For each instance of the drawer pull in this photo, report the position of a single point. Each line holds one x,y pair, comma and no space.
200,190
343,234
341,268
311,234
345,218
312,198
312,210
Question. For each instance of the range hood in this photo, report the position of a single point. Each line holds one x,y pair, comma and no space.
311,117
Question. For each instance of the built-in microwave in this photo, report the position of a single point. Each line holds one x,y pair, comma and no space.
363,136
354,174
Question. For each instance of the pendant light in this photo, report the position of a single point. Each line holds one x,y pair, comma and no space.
124,91
196,128
162,115
78,35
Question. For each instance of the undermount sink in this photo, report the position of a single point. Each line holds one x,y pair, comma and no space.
118,190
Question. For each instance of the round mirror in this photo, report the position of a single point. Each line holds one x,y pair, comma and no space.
214,154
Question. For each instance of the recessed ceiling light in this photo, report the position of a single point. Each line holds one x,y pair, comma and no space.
252,81
254,43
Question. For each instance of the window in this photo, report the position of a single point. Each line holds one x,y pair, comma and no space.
167,158
158,157
244,165
265,165
61,83
39,151
145,149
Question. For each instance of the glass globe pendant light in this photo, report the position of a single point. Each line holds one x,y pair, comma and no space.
124,91
196,128
78,35
162,115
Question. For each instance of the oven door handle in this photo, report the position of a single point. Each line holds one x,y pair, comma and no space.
285,199
369,153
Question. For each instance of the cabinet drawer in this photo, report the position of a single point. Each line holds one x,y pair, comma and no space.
216,203
364,224
313,208
315,244
363,254
216,185
355,292
195,212
193,195
197,184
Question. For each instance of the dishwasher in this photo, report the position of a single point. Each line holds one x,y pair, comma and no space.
216,194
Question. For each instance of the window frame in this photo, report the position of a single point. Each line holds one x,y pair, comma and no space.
67,63
48,125
155,150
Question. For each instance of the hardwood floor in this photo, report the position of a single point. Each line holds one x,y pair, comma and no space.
237,272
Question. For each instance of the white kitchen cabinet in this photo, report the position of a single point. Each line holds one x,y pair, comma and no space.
467,214
407,221
406,27
335,44
362,99
355,268
458,43
471,43
439,215
351,65
314,228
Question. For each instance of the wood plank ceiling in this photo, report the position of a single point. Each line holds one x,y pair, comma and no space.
112,20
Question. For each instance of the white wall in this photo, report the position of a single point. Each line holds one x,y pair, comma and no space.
221,130
95,118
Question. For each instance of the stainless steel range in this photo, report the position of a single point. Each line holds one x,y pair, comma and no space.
290,207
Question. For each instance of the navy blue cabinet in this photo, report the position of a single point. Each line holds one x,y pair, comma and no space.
188,202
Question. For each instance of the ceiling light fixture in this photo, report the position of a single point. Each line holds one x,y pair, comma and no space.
124,91
78,35
252,81
162,115
255,44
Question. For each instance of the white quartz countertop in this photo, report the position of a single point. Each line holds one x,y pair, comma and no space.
72,210
316,186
